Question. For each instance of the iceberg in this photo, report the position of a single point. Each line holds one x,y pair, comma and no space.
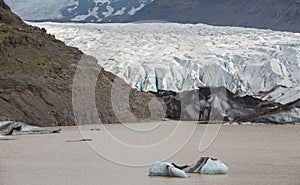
205,165
166,169
214,166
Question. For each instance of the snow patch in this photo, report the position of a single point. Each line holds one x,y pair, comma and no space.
120,12
134,10
109,12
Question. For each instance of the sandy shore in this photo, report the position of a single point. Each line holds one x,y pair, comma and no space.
260,154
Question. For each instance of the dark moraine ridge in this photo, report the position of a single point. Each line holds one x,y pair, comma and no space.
211,104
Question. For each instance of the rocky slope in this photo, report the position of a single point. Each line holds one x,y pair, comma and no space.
36,76
270,14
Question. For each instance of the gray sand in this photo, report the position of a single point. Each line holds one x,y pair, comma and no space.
261,154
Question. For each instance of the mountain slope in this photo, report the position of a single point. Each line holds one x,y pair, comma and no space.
269,14
36,76
102,10
77,10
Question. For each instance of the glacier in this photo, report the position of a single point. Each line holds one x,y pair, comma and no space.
180,57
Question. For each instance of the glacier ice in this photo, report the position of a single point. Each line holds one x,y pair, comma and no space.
166,169
206,165
19,128
214,167
179,57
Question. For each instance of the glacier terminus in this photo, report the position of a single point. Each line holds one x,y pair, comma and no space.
179,57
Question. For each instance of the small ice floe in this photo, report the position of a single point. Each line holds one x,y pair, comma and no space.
205,165
95,129
19,128
166,169
78,140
